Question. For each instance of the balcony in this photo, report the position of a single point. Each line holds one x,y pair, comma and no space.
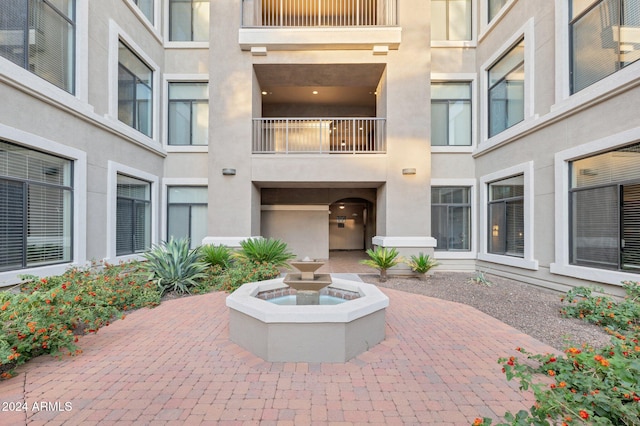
319,135
319,24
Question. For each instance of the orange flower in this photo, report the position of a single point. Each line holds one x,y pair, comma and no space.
77,298
551,372
584,414
562,384
574,351
478,421
5,306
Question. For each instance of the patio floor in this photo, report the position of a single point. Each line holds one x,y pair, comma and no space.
174,364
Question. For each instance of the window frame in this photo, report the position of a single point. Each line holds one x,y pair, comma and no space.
114,169
562,160
449,102
170,44
179,78
135,203
472,185
527,261
471,42
78,203
153,25
448,206
166,188
463,78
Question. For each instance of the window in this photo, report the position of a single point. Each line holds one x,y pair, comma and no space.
39,36
135,91
36,218
133,215
506,90
146,7
506,217
604,207
189,20
188,114
494,7
451,218
605,37
451,114
187,213
451,20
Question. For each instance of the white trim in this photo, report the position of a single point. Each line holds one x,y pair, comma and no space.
154,26
82,50
385,241
526,32
485,26
168,44
113,169
472,184
115,35
166,183
79,159
462,43
179,78
471,78
562,185
527,261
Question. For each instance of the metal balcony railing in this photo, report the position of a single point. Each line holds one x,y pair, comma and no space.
318,13
319,135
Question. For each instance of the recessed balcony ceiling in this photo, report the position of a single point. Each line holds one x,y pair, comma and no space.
335,84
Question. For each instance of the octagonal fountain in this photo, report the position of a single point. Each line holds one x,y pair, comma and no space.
307,317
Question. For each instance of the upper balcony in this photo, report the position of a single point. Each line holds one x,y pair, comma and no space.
319,25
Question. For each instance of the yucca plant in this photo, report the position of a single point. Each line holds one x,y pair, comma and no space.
270,250
382,259
173,266
422,263
213,255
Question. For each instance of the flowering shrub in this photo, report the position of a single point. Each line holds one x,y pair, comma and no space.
48,313
246,271
585,385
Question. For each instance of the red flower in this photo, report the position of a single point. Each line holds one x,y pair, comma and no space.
584,414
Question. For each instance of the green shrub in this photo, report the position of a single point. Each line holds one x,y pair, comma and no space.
272,251
173,266
382,259
217,255
247,271
422,263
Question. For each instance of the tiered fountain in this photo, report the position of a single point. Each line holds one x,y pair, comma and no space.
310,330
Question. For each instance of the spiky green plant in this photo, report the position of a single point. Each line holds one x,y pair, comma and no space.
261,250
422,263
382,259
217,255
173,266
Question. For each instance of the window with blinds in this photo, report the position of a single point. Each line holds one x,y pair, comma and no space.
135,91
187,213
133,215
39,36
605,210
451,217
605,37
188,114
506,217
36,221
506,90
189,20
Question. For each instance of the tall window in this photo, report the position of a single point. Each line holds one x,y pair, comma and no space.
187,213
189,20
506,90
605,210
451,114
146,6
494,6
188,114
451,20
135,91
451,217
506,217
133,215
36,199
39,36
604,39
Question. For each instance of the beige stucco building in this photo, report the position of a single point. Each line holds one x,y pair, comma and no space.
495,135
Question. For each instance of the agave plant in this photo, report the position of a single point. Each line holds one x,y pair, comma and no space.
216,255
173,266
382,259
422,263
262,250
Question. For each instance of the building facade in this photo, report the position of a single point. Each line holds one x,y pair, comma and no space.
494,135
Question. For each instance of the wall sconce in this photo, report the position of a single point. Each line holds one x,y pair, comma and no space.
228,172
495,230
409,171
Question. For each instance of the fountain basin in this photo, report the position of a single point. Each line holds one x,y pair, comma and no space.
307,333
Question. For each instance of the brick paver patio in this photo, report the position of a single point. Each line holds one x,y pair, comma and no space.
175,365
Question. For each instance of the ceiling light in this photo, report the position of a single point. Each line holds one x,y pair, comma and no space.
341,206
315,92
264,93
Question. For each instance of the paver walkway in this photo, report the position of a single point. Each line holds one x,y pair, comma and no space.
175,365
